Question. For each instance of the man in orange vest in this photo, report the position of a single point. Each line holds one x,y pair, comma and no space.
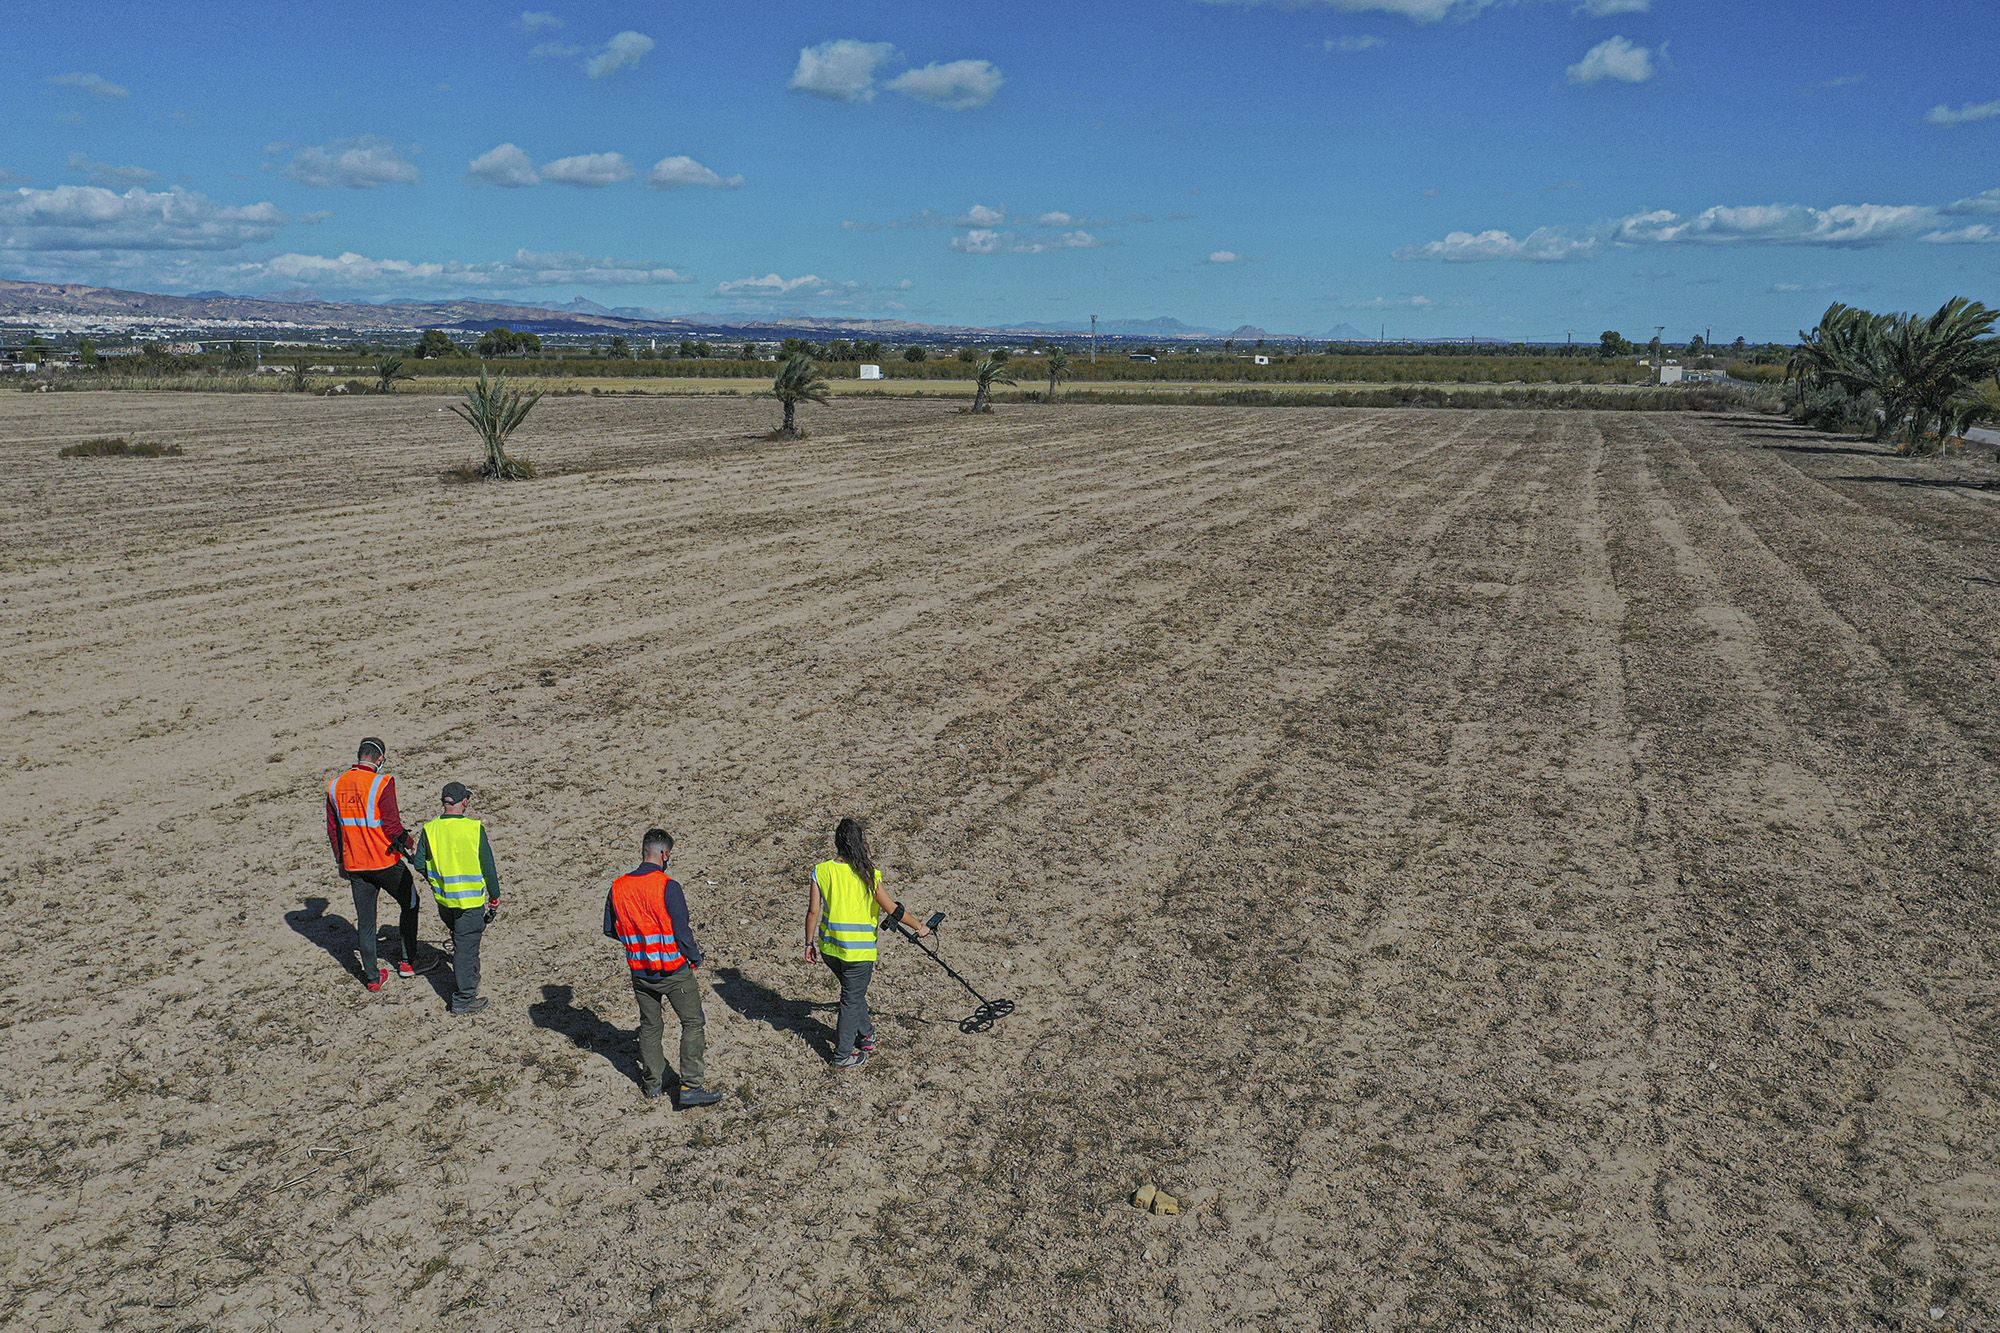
647,913
366,830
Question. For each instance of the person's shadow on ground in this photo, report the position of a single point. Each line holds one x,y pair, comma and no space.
335,934
754,1000
559,1012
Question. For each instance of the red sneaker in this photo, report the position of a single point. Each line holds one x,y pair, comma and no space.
381,980
407,970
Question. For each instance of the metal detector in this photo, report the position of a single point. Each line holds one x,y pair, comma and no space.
989,1012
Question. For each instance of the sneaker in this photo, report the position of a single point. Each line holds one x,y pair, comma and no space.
409,969
476,1005
852,1060
692,1096
381,980
865,1045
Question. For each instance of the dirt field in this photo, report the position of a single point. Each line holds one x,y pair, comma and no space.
1504,870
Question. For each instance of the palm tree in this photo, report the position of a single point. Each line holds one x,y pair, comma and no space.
1924,370
986,374
495,411
799,381
302,376
1058,369
387,371
1941,361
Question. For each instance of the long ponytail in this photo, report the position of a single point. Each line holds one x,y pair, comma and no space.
850,844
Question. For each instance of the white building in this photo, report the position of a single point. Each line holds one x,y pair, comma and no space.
869,372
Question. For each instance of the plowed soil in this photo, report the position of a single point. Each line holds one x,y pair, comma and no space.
1500,870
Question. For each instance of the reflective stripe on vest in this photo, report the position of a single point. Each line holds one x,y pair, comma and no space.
847,913
645,928
363,845
452,864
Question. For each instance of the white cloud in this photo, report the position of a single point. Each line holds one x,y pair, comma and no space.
1419,11
527,268
535,20
957,85
684,173
95,84
1794,288
1976,233
771,285
980,241
987,241
1779,224
1224,257
1057,218
624,50
1986,202
360,163
1543,244
104,173
1604,9
979,215
1615,59
505,165
1349,45
90,217
588,170
1411,302
1963,115
1837,226
841,71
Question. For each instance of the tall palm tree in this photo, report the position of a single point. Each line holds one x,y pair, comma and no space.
1058,369
799,381
495,411
387,371
989,372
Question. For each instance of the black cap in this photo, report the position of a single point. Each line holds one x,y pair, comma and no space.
454,792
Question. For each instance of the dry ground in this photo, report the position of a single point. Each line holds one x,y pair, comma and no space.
1506,870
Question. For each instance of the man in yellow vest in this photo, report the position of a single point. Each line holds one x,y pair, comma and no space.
458,861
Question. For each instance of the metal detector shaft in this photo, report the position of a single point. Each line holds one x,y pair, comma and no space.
989,1011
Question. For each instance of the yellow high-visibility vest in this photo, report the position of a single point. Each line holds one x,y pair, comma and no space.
847,913
451,864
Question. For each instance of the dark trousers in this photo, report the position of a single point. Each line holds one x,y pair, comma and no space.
679,989
466,925
396,882
855,1020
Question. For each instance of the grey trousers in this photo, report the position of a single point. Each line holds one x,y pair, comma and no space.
680,990
466,925
397,882
855,1020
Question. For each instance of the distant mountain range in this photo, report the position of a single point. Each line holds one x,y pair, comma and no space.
77,308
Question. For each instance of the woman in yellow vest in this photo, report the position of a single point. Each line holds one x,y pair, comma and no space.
840,930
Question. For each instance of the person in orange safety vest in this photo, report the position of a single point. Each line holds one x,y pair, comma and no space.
646,912
369,842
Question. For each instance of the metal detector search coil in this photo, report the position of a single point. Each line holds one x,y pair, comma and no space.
989,1012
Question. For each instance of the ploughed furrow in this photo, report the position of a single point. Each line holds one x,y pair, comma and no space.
1501,870
1788,937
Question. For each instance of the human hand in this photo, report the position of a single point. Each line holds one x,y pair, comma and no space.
812,954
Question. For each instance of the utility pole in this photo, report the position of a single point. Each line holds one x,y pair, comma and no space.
1093,340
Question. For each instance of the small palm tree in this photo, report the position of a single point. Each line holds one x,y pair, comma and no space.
387,371
495,411
302,376
798,382
1058,369
989,372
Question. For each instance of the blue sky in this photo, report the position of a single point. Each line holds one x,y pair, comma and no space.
1502,167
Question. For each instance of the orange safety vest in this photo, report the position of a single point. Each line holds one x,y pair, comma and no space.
639,901
363,844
